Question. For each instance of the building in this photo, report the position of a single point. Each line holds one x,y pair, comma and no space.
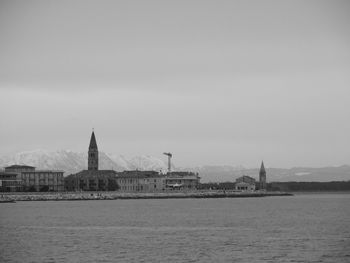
43,180
181,181
140,181
262,177
151,181
37,180
92,179
9,182
245,183
17,171
19,168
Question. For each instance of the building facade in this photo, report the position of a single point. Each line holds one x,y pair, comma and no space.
43,180
37,180
181,181
245,183
152,181
92,179
140,181
10,183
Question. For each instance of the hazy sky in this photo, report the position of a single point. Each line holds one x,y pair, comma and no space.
213,82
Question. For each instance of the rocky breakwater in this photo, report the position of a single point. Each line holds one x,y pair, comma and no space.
71,196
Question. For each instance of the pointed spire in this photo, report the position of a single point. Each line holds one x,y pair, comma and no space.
262,168
93,144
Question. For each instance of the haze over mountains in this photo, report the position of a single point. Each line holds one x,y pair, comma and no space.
72,162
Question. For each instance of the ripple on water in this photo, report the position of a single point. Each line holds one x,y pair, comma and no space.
215,230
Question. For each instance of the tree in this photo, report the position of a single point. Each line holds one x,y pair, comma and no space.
31,189
44,188
112,185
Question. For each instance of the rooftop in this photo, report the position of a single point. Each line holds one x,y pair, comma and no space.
93,144
17,166
93,173
45,171
138,174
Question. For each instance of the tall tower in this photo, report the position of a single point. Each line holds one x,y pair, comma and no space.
93,153
262,177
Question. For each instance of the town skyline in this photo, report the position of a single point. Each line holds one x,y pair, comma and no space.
72,163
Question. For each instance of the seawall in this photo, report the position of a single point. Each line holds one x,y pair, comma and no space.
72,196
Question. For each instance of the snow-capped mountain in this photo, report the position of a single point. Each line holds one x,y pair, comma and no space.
72,162
148,163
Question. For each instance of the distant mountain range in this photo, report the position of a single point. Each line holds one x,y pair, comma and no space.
72,162
298,174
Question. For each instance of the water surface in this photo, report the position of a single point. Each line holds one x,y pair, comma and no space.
301,228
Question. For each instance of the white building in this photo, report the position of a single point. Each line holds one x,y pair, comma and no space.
245,183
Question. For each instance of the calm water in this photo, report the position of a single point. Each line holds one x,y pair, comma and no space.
303,228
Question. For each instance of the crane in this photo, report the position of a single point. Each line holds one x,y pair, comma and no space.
169,160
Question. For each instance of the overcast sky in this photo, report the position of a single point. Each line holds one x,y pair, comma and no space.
213,82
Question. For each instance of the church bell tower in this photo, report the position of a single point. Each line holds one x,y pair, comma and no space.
93,153
262,177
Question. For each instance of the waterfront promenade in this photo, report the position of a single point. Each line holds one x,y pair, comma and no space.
71,196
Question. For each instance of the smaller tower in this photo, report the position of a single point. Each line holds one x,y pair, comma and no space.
262,177
93,153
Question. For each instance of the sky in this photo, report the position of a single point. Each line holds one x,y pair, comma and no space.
213,82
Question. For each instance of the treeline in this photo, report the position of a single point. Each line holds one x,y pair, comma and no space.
309,186
286,186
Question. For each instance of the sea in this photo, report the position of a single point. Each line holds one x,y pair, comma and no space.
299,228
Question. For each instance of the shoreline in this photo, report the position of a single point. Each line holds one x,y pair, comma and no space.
80,196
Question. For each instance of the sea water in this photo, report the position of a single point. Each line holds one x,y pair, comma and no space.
300,228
